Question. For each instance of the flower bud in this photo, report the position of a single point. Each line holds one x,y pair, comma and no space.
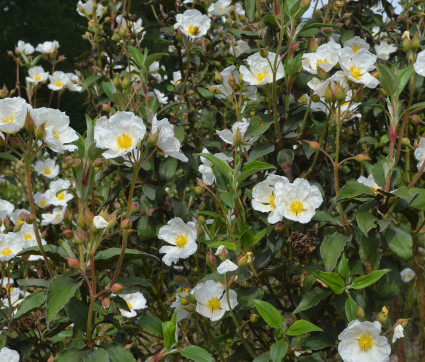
402,322
328,95
126,224
189,308
315,98
339,93
406,45
305,4
312,45
414,43
313,145
253,318
184,300
242,260
382,316
218,78
237,138
210,259
192,298
106,302
88,217
29,124
67,234
222,253
232,80
415,119
405,141
361,157
360,312
117,288
264,52
73,263
293,47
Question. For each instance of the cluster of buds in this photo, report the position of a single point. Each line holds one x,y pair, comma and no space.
188,302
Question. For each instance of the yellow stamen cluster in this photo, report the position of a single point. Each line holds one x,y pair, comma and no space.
193,30
55,134
27,236
37,78
321,61
271,201
261,75
355,71
6,251
47,171
214,304
124,141
58,84
365,342
296,207
8,120
181,240
61,196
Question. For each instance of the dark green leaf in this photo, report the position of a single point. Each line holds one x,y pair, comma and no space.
222,166
34,283
342,267
331,249
89,81
351,309
8,156
52,251
94,355
260,151
106,257
269,313
169,331
400,242
403,77
366,280
301,327
229,198
196,353
227,244
312,298
137,56
352,189
278,351
30,303
67,355
77,312
118,353
253,167
146,228
153,57
388,79
152,323
167,168
366,221
332,280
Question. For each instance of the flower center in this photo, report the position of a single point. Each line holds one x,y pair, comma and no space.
58,84
214,304
6,251
297,207
321,61
57,216
356,48
55,134
355,71
409,275
37,78
181,240
61,196
8,120
365,342
185,290
303,99
43,203
27,236
261,75
129,305
124,142
271,201
20,222
47,171
193,30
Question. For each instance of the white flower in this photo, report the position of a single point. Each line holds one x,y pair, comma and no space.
226,91
159,96
357,65
226,266
362,342
419,65
54,218
369,181
177,78
356,43
260,69
153,71
398,332
135,301
37,75
337,80
377,34
407,275
16,297
27,238
13,112
167,140
9,247
221,249
314,106
181,313
99,222
298,200
6,208
58,133
212,300
63,197
264,197
119,134
325,57
73,82
41,200
15,216
86,9
48,47
420,153
58,81
47,167
228,136
183,238
220,7
239,47
24,48
9,355
192,23
206,168
383,50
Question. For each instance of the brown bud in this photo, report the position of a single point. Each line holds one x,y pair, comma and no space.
106,302
242,260
67,234
313,145
117,288
361,157
73,263
126,224
210,259
189,308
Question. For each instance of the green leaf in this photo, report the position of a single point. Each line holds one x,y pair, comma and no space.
301,327
30,303
352,189
105,258
312,298
110,91
250,9
388,79
52,251
400,242
227,244
118,353
61,289
8,156
269,313
152,323
196,353
324,216
34,283
278,351
205,93
169,331
77,312
366,280
94,355
167,168
366,221
229,198
68,354
257,126
153,57
222,166
350,309
94,152
342,267
137,56
253,167
89,81
260,151
332,280
258,236
403,77
146,228
331,249
415,106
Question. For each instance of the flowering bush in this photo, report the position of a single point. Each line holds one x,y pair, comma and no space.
249,193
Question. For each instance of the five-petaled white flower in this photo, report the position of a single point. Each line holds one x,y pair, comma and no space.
362,342
220,7
228,136
57,198
13,112
193,23
384,50
55,217
325,57
264,197
226,266
356,43
41,200
357,66
119,134
9,355
58,81
47,167
212,299
337,81
48,47
407,275
419,65
420,153
135,301
369,181
24,48
37,75
99,222
298,200
261,69
73,82
226,91
9,247
167,141
87,8
181,236
58,133
206,168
